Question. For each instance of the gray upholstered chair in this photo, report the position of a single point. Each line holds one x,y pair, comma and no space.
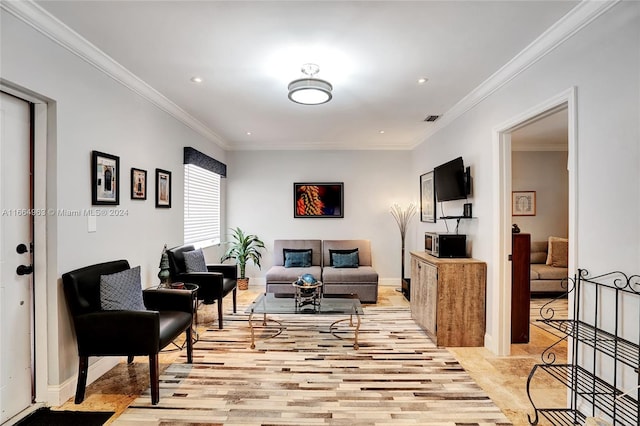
279,278
362,281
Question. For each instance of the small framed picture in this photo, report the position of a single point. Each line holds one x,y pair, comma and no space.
105,179
138,184
163,188
427,198
523,203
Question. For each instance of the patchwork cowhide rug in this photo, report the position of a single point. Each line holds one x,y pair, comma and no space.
307,376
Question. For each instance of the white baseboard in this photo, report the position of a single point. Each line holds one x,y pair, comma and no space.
59,394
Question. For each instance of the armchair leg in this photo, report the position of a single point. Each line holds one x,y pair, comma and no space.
234,300
189,345
83,365
220,313
154,379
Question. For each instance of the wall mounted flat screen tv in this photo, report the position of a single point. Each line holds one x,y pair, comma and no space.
450,180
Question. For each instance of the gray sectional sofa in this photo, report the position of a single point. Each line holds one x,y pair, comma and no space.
361,280
545,278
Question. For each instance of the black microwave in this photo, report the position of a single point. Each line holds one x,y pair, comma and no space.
445,245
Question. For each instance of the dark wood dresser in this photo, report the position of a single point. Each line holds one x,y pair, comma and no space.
520,287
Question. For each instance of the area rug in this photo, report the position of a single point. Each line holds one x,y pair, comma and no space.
47,417
307,376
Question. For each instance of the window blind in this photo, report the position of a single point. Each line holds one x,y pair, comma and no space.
201,206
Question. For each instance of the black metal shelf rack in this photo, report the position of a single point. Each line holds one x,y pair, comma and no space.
595,333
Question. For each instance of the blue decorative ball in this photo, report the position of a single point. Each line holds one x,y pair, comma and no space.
308,279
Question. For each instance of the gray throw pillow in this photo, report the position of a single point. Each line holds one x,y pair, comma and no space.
122,291
194,261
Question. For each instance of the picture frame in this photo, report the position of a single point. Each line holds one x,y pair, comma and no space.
163,188
523,203
427,198
138,184
105,179
318,200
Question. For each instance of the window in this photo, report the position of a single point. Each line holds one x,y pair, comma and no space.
201,198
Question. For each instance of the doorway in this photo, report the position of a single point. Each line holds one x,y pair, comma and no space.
503,139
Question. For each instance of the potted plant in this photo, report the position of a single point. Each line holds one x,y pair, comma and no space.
243,247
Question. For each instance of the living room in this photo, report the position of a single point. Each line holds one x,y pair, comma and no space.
88,109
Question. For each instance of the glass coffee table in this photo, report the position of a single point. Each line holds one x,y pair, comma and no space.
276,304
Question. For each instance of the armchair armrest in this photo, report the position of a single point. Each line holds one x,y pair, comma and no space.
118,332
165,299
210,283
228,270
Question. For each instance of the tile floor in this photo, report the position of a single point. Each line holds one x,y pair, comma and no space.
503,378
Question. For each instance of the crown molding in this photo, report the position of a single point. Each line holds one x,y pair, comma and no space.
48,25
575,20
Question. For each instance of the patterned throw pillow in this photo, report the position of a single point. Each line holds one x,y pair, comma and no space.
297,258
122,291
194,261
344,258
558,254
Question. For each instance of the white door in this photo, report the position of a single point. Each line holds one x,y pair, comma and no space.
15,285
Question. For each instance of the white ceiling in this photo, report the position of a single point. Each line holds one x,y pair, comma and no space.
373,52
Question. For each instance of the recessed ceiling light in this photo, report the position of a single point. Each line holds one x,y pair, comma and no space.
196,79
381,132
422,80
248,133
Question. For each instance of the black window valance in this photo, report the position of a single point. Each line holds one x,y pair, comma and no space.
195,157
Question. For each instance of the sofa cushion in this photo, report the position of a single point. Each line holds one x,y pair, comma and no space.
558,254
363,246
297,258
539,251
344,258
122,291
280,274
548,272
362,274
314,245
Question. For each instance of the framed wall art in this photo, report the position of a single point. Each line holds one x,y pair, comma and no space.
523,203
427,198
323,200
163,188
105,179
138,184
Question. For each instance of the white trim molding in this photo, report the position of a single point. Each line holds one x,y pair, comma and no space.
48,25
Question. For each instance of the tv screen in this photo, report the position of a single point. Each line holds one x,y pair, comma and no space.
449,180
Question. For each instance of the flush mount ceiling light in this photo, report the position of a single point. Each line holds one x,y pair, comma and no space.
310,90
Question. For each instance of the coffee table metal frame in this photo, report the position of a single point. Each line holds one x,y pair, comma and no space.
270,303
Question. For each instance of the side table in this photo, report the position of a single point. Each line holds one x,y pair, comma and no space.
193,289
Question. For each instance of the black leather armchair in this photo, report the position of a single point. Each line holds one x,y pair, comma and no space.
120,333
214,285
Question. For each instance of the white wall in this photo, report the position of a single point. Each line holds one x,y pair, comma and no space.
603,62
546,173
260,199
91,111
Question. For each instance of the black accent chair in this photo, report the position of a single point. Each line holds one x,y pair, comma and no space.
214,285
124,333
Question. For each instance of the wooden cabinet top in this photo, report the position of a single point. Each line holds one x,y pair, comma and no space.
423,255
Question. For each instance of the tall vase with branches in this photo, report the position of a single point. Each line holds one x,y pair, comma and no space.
402,217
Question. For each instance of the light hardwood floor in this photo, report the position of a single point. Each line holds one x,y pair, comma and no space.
503,378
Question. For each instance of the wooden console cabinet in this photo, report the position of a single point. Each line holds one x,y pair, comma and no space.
448,299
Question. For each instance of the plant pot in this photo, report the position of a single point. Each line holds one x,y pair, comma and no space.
243,283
